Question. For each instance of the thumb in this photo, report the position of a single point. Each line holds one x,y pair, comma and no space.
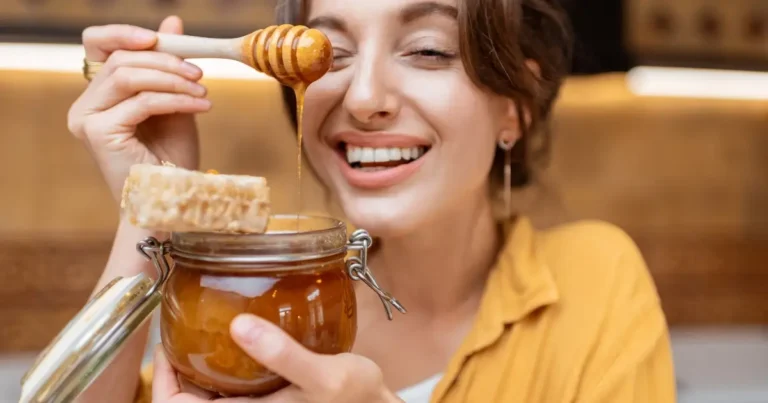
272,347
172,25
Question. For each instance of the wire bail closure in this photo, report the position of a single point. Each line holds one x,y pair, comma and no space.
155,251
357,266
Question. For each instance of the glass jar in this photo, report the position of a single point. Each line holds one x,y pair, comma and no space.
298,275
297,280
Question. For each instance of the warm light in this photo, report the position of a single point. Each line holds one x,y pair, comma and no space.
69,59
643,81
698,83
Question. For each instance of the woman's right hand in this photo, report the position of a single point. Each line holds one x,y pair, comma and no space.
140,107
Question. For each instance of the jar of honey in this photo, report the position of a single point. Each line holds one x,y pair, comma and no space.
299,275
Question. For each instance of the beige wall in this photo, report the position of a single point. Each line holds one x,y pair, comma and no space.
687,178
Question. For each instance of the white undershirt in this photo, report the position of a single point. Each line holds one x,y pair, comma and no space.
420,392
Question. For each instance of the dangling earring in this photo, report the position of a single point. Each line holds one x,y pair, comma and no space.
507,145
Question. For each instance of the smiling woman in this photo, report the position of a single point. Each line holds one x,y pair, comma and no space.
430,108
482,28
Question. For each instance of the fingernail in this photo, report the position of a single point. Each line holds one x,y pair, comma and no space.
247,329
144,35
202,102
190,70
257,336
198,90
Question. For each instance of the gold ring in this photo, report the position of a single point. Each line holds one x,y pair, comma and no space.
91,68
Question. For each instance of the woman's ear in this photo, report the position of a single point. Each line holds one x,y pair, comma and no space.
511,130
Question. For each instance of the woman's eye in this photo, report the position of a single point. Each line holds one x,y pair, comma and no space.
432,53
340,58
431,57
339,53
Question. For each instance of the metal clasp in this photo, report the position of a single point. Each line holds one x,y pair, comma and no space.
357,268
155,251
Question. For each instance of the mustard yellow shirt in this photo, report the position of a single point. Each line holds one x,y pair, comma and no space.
569,314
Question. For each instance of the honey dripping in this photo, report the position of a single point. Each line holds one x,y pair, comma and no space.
296,56
299,90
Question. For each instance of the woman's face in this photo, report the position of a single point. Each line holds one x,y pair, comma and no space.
396,129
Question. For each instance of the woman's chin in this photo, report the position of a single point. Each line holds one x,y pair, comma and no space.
387,221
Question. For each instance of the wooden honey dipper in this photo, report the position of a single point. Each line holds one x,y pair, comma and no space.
292,54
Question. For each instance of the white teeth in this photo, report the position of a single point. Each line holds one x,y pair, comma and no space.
367,155
370,154
354,154
381,155
394,154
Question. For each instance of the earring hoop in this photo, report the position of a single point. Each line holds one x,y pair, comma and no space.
507,145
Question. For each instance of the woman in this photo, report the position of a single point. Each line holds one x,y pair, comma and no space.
498,312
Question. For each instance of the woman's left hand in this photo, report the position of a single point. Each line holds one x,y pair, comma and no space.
315,378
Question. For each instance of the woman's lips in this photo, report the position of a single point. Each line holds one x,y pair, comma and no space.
378,179
377,140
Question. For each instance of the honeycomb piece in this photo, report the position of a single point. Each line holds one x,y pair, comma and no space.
171,199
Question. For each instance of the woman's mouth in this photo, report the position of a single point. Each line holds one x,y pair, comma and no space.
372,159
379,167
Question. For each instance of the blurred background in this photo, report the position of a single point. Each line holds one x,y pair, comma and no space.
662,129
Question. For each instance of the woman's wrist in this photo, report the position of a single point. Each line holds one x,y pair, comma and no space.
124,260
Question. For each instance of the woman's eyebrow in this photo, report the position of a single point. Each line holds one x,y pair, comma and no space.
426,8
328,22
408,14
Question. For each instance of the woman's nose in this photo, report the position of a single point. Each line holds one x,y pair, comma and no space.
370,99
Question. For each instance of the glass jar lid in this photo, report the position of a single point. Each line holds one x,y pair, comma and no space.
288,238
89,342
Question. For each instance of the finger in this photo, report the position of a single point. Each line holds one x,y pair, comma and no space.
194,390
101,41
172,25
126,82
164,385
290,394
279,352
124,117
152,60
148,60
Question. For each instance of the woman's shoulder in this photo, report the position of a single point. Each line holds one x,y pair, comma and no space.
591,236
590,256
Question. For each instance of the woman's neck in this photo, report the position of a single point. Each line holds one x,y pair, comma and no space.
443,266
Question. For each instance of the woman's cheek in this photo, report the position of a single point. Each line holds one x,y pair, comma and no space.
319,103
445,97
463,117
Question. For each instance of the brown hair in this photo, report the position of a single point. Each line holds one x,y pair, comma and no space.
497,37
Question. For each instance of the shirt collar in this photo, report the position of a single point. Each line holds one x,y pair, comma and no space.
519,284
